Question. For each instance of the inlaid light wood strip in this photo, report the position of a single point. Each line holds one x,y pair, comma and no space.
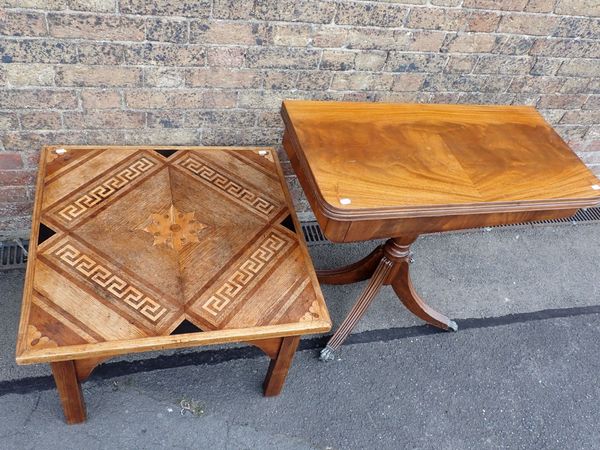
285,302
63,319
239,191
102,320
94,168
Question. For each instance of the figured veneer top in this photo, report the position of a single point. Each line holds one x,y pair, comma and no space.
135,240
409,160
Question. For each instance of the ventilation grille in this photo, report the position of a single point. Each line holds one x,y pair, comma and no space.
12,255
314,235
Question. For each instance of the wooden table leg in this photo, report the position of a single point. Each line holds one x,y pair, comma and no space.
69,391
280,365
398,250
353,273
359,308
393,268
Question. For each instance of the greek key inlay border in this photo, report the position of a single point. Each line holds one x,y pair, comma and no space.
225,184
107,188
110,282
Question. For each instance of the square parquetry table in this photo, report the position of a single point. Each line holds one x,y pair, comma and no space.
375,170
134,247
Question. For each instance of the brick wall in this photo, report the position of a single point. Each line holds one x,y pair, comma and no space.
214,72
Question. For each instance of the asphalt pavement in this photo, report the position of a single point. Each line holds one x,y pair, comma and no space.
521,372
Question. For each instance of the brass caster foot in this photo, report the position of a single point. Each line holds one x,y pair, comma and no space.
327,354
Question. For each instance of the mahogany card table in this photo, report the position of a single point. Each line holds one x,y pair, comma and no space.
147,248
374,170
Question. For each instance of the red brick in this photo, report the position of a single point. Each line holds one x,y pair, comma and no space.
310,81
14,23
33,98
315,11
593,102
177,99
504,64
167,30
421,41
105,119
540,6
92,5
101,76
576,86
561,101
41,120
100,53
35,4
578,7
233,9
8,121
581,117
408,82
20,75
166,119
10,161
337,60
32,140
370,60
185,8
330,36
365,14
580,68
453,20
16,209
228,118
165,54
224,33
226,56
361,81
482,22
165,77
90,26
528,24
279,80
374,38
560,47
17,177
292,35
529,84
507,5
100,99
223,78
460,63
16,226
13,194
471,43
289,58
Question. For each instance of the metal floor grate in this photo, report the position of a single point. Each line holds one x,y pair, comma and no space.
12,254
314,235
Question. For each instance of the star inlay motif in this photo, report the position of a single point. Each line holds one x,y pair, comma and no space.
174,228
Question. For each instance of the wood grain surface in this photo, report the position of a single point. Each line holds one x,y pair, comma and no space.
128,242
366,165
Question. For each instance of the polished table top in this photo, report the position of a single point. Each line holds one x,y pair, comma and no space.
376,160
